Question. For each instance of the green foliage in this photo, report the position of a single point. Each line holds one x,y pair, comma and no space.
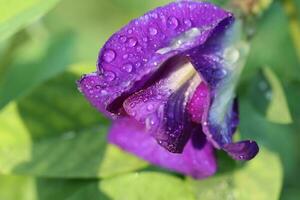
253,180
16,14
69,142
56,56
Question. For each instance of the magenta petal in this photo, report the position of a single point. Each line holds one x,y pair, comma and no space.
197,159
199,102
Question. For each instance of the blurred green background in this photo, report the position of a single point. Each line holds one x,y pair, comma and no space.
53,143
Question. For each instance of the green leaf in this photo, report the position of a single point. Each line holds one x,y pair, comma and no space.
146,186
268,96
293,96
132,186
259,178
279,102
17,14
54,132
17,188
273,46
30,188
30,71
277,137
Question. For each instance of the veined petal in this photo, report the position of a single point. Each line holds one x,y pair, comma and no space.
199,103
197,159
162,107
220,61
133,55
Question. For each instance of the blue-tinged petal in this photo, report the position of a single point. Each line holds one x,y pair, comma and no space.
220,61
197,159
243,150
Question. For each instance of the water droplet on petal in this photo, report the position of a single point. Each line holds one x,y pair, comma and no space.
150,107
127,67
188,22
145,39
220,73
172,22
202,94
103,92
123,39
138,64
109,76
125,56
109,56
150,122
153,31
231,55
132,42
155,15
98,87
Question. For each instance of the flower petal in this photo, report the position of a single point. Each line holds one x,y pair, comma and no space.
199,103
220,61
197,159
132,55
243,150
162,106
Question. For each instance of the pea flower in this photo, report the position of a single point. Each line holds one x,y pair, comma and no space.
167,81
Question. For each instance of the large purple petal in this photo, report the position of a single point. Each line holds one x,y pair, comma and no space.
132,55
197,159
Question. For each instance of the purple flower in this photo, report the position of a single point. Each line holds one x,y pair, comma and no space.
167,80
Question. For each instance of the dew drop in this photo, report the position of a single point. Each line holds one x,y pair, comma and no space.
150,122
109,56
155,15
98,87
138,64
123,39
127,67
153,31
132,42
202,94
231,55
103,92
220,73
145,39
125,56
172,22
188,22
109,76
150,107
